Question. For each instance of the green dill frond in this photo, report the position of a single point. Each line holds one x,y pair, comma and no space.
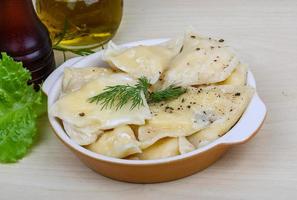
169,93
81,52
61,36
119,95
143,85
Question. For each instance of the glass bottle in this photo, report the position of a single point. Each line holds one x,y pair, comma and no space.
80,23
25,38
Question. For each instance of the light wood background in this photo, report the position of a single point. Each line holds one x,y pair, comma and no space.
265,34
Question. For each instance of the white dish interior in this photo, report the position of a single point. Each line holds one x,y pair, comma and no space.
248,124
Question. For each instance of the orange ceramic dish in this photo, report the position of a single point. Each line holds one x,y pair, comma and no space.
161,170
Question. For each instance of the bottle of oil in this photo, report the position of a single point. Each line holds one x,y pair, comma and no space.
80,23
25,38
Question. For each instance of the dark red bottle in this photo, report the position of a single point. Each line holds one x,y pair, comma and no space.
25,38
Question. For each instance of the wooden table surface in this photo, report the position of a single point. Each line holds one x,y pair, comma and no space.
265,34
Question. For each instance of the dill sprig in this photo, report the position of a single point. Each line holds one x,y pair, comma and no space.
119,95
61,36
169,93
81,51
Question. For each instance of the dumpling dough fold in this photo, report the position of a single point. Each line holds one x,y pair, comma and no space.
118,143
194,111
138,61
201,61
164,148
184,145
75,78
239,98
89,118
238,76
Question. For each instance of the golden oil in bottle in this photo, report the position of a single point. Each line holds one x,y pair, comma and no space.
80,23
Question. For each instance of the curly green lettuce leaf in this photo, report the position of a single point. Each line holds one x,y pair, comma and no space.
20,106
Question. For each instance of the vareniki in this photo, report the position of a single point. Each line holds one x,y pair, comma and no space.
201,61
138,61
158,101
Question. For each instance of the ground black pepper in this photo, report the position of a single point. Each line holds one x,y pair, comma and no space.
81,114
181,49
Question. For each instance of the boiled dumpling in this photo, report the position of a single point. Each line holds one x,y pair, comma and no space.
82,135
118,143
75,78
201,61
164,148
76,110
138,61
184,145
238,76
193,111
75,107
168,121
237,99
